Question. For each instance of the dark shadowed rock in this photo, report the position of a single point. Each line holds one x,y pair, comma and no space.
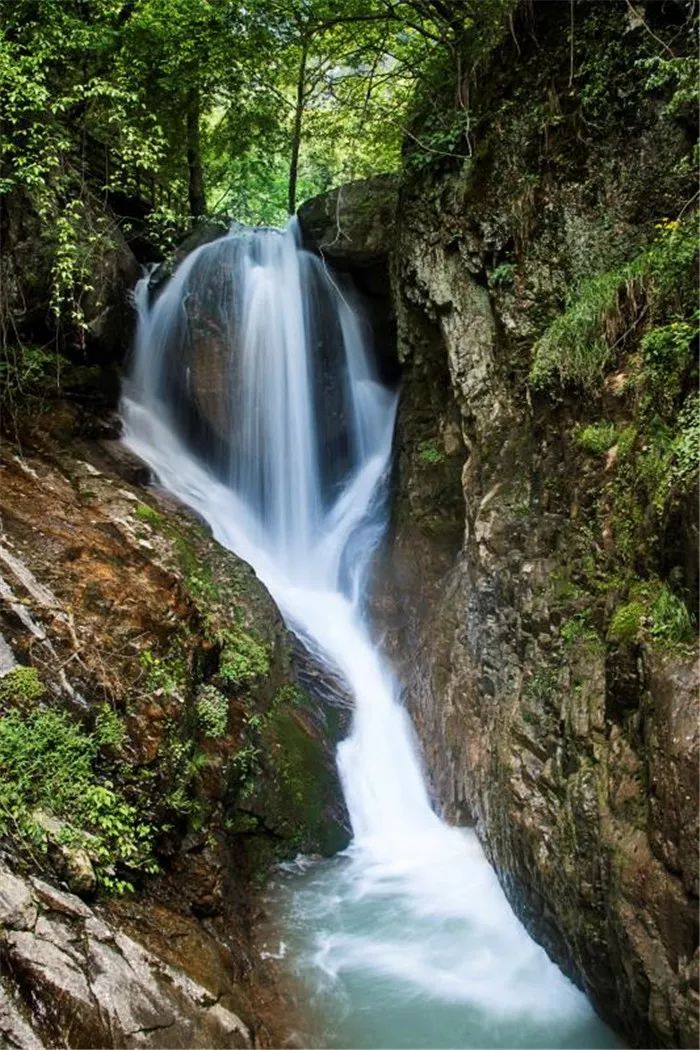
353,225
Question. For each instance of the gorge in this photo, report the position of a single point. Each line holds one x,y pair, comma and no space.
412,908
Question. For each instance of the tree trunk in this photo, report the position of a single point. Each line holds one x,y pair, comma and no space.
296,133
198,201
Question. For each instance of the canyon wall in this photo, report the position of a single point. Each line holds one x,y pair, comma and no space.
543,558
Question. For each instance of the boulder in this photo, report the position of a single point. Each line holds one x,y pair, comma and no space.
352,226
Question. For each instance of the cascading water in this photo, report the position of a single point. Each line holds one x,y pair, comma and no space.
253,397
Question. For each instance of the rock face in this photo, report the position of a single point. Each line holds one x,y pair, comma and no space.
27,278
71,978
572,746
118,605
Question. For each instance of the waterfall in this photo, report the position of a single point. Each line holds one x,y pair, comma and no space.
254,397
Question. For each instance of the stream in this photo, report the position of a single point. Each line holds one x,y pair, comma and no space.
406,939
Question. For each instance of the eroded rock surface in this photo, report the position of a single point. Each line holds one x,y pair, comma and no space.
573,751
68,977
116,599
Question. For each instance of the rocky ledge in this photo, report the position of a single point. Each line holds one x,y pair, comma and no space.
70,977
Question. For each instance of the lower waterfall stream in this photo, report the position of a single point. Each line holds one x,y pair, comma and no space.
253,396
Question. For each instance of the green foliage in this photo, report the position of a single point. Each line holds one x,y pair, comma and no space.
503,275
180,763
679,74
430,454
20,686
27,373
671,622
579,343
579,630
243,658
110,730
212,712
541,685
596,438
48,762
685,447
653,611
605,311
162,675
667,466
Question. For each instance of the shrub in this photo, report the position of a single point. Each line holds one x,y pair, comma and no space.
48,762
212,711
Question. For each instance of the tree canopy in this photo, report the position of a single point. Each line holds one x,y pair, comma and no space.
217,105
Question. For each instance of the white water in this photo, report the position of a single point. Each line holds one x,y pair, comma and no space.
407,939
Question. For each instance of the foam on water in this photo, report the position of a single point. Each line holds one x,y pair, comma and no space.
286,455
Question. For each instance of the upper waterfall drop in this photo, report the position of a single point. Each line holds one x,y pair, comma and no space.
254,358
253,396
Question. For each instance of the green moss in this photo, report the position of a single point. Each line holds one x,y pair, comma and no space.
300,786
626,622
429,453
148,514
243,657
197,574
21,685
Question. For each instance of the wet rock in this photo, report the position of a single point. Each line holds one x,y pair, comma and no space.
68,977
123,603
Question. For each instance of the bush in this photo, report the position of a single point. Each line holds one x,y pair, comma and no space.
48,762
212,712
